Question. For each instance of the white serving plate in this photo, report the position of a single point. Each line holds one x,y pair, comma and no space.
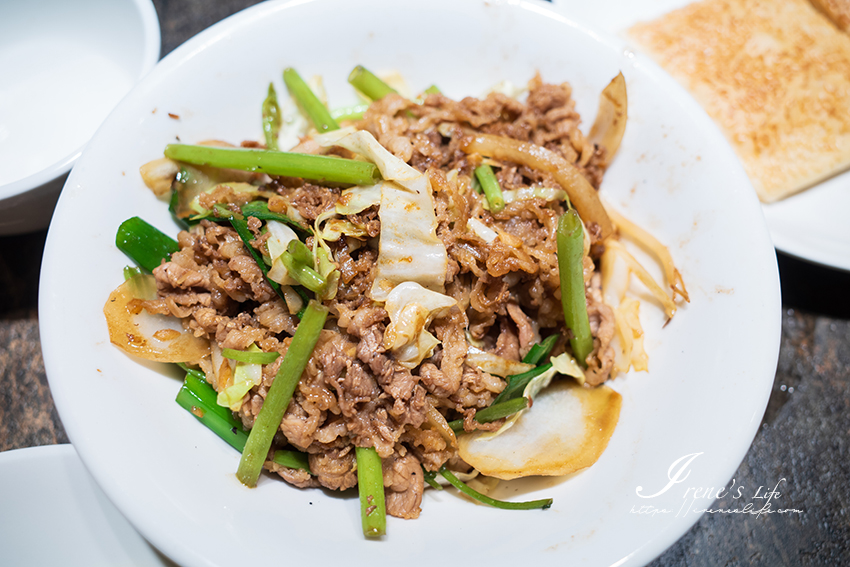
58,515
811,225
711,368
65,67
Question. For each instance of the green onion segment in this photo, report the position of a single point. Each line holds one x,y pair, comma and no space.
474,494
280,393
570,237
370,484
288,164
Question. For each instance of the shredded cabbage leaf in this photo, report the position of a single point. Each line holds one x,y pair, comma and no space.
481,230
245,377
408,220
561,364
411,309
280,236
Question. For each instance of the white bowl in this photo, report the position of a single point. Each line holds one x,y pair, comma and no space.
711,368
61,516
65,67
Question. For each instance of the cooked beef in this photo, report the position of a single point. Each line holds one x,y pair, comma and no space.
353,393
405,484
336,469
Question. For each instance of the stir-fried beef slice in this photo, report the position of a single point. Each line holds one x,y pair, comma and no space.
251,274
295,477
335,469
344,375
507,344
312,200
547,119
489,296
332,434
373,427
301,421
404,483
356,273
450,332
385,121
355,387
367,220
527,334
428,446
477,389
274,316
601,359
239,332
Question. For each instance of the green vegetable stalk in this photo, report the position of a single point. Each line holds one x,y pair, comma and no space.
292,459
494,412
370,484
369,84
308,102
280,393
474,494
199,398
272,119
353,112
144,244
298,261
518,382
260,210
318,168
490,185
539,351
250,357
570,238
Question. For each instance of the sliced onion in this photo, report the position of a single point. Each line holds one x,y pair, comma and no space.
610,124
495,364
152,337
439,424
649,243
159,174
637,269
481,230
582,194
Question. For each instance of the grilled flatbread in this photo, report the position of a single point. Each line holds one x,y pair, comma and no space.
837,10
774,74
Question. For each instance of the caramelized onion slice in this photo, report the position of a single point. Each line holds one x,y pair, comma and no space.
495,364
638,270
610,124
582,194
566,430
159,174
152,337
649,243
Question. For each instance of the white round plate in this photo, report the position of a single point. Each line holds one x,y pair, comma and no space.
58,515
811,225
65,67
711,368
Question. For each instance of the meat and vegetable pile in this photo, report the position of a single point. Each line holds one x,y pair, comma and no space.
380,305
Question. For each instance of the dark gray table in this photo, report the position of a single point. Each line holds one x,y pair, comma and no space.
804,437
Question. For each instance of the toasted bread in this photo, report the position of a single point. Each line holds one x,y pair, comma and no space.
773,74
837,10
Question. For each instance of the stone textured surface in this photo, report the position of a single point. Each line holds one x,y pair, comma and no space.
804,436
